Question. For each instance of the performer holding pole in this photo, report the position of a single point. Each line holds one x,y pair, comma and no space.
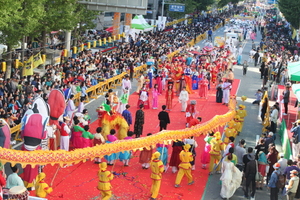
157,169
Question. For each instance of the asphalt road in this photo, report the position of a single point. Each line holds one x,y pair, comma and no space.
249,84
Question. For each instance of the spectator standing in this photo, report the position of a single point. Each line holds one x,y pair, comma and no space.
296,133
286,99
209,34
273,180
250,173
292,185
240,151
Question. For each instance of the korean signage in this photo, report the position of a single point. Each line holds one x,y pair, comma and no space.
177,8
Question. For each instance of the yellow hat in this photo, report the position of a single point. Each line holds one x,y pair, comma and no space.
103,166
187,147
230,124
156,155
237,117
41,176
217,135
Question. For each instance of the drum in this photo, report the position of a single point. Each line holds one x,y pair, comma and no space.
18,193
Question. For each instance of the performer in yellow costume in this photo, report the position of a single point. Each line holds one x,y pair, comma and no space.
42,189
237,124
215,153
185,166
230,132
104,181
157,168
242,112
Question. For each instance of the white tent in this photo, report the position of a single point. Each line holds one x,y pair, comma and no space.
138,22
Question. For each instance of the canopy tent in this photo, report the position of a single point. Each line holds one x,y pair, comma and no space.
138,22
294,71
296,90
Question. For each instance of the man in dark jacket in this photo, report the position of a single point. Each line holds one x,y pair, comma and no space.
250,173
163,118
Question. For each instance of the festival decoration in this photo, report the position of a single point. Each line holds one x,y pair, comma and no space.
112,121
244,98
61,157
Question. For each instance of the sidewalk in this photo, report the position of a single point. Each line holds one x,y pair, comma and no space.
252,126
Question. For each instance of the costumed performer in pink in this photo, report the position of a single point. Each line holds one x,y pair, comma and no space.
205,157
203,87
155,93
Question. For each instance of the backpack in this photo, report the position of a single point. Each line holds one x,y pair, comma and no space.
280,181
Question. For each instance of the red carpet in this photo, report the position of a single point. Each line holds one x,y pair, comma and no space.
79,182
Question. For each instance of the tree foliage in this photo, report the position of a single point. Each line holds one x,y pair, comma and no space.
291,11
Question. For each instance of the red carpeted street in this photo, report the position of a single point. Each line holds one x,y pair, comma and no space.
79,182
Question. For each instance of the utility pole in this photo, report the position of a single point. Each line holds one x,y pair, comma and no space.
162,8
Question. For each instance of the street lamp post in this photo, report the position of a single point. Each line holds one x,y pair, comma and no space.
162,8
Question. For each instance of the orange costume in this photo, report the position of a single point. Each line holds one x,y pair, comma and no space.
41,188
178,73
169,97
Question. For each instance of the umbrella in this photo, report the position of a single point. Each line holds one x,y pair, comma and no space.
208,48
110,29
196,52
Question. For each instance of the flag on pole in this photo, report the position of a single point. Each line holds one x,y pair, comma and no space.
28,67
37,60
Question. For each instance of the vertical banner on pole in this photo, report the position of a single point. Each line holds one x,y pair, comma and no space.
116,23
128,18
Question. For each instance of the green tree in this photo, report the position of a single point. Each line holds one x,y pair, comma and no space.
60,15
85,21
190,7
23,23
204,4
291,11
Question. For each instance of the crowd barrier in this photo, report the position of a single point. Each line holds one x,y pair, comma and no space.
102,87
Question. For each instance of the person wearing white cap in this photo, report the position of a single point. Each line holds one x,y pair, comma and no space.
283,163
292,186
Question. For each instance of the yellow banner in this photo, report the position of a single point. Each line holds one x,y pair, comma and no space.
28,67
37,60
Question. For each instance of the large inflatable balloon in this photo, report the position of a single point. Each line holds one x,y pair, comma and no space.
57,103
